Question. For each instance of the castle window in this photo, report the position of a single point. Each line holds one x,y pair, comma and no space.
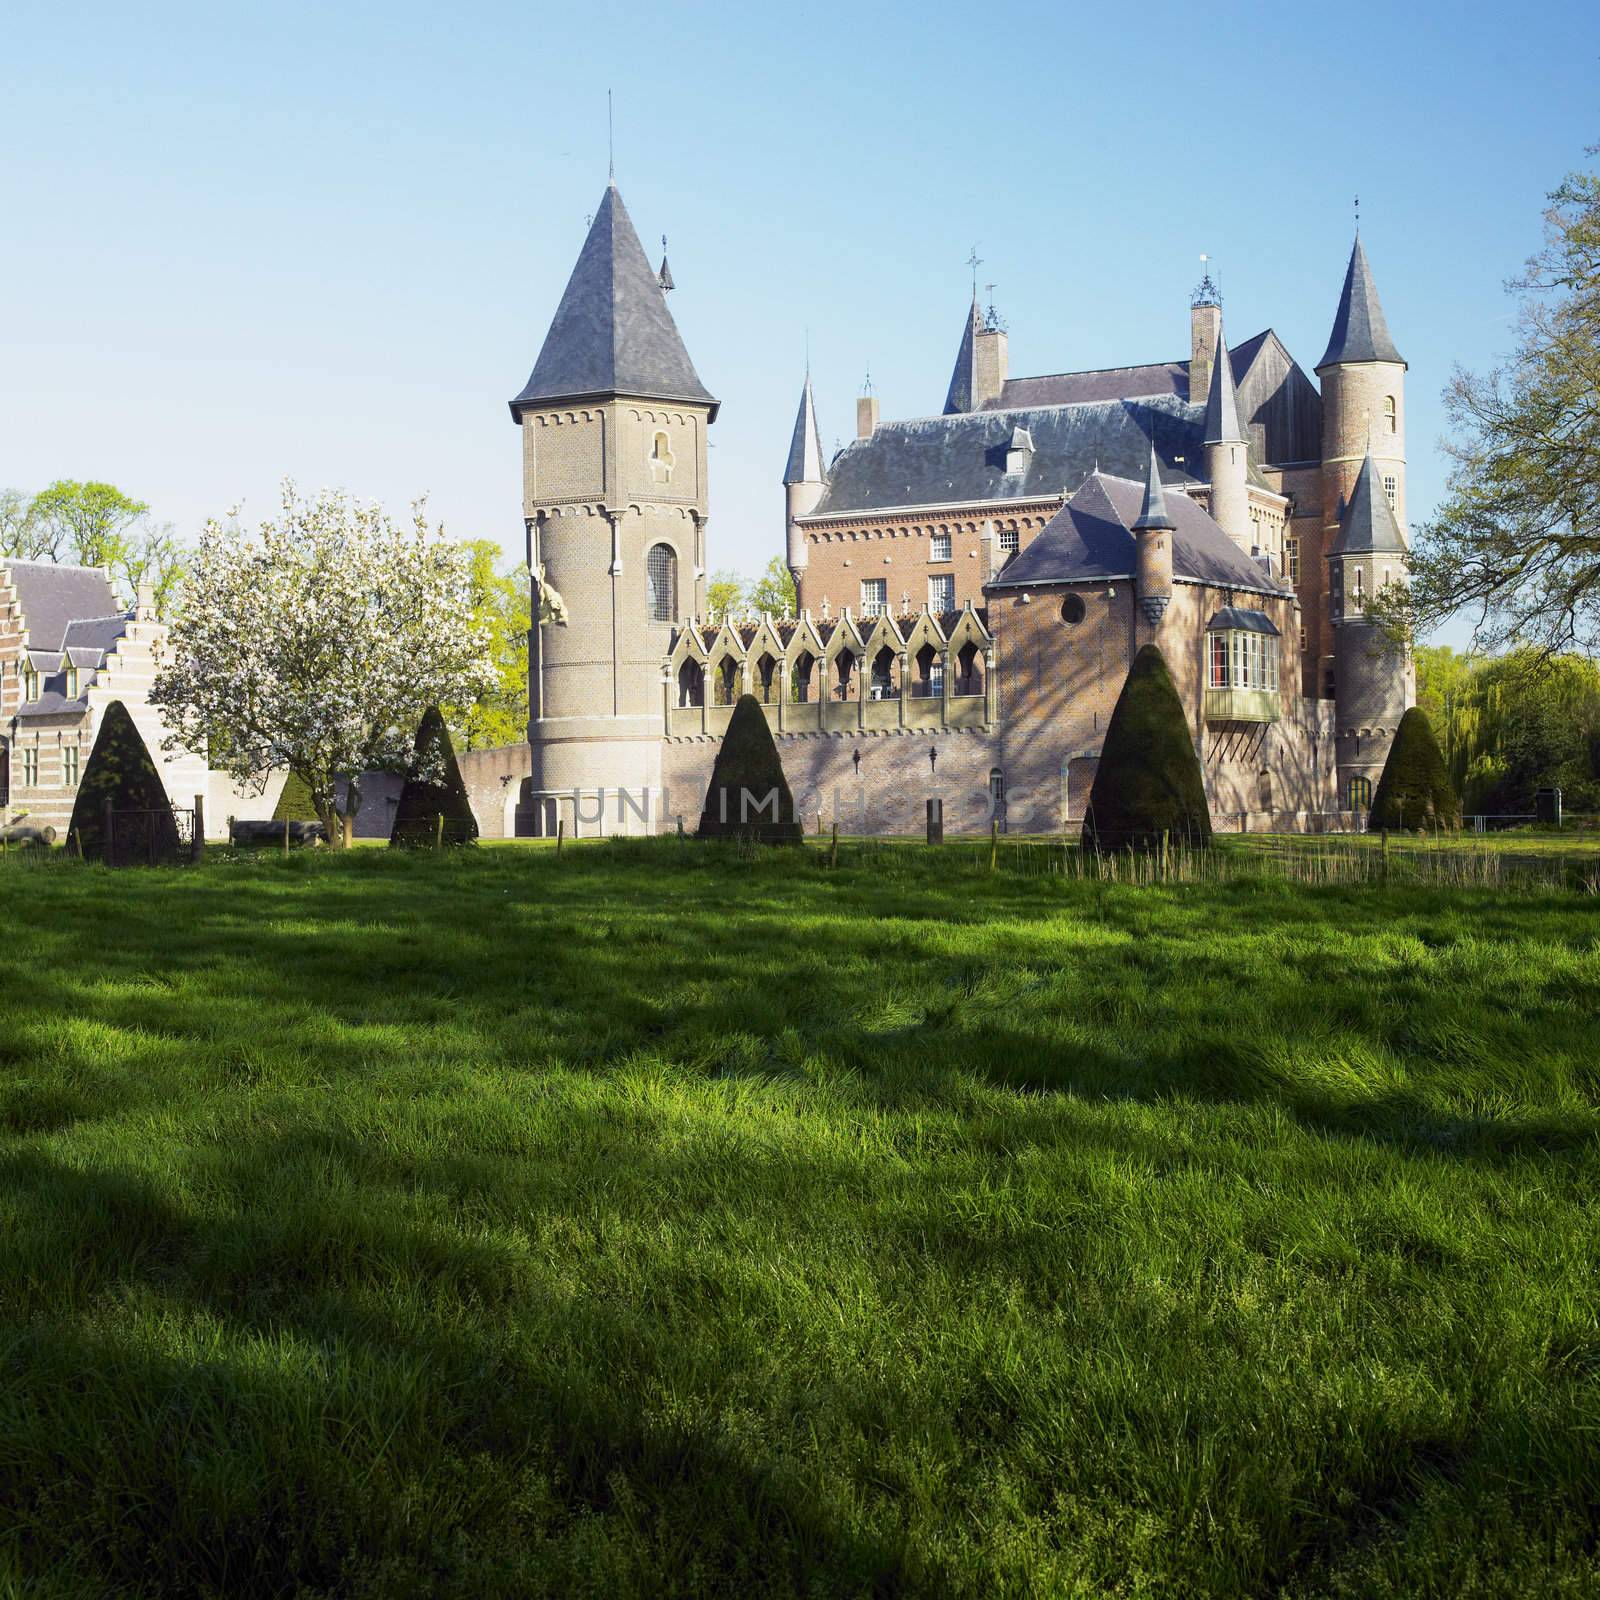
1291,558
1359,794
883,685
874,596
767,681
969,670
661,571
691,684
1241,651
1389,487
1390,415
929,683
942,592
1360,586
939,547
30,768
661,459
69,766
726,683
805,665
1073,610
1008,541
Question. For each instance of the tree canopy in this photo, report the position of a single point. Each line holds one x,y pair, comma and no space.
1148,786
501,607
1517,540
317,642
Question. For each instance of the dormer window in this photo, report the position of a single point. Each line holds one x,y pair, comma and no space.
72,683
30,685
1019,453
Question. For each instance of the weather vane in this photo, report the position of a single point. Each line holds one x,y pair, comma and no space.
1358,213
974,261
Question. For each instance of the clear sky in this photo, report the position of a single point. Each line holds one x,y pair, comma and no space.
325,240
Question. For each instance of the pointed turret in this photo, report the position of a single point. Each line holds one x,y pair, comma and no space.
1152,539
612,333
960,395
805,447
664,276
805,479
1153,514
1222,399
1226,463
1368,526
1360,332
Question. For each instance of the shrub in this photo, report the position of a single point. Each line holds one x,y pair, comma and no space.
294,804
435,790
120,771
747,781
1148,784
1414,791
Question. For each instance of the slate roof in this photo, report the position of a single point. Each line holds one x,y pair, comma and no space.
1153,513
612,332
1222,402
1368,526
53,597
1079,388
1242,621
1090,539
805,464
1360,332
52,703
960,459
959,395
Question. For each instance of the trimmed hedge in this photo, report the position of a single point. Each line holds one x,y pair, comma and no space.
120,770
294,804
424,801
748,774
1148,784
1414,792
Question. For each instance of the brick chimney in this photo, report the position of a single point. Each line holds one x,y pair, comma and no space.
866,415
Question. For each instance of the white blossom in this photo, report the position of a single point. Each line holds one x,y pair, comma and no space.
317,642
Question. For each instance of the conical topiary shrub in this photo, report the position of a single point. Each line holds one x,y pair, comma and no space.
1414,791
437,791
1148,784
294,804
120,771
748,797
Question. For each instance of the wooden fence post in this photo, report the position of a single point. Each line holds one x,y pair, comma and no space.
994,842
561,834
197,844
438,832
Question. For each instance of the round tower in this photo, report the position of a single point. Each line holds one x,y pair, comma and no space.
613,422
1227,464
1152,543
805,479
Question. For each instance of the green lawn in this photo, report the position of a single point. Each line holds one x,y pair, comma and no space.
664,1220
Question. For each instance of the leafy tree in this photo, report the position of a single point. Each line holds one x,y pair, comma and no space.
748,796
121,771
773,591
501,607
1443,675
1518,538
153,556
724,593
1415,790
23,537
314,644
1148,786
89,523
433,789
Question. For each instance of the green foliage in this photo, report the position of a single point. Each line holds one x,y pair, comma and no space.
120,771
501,603
781,1231
748,796
91,521
1414,792
724,593
1511,724
1518,538
434,790
294,801
773,592
1148,786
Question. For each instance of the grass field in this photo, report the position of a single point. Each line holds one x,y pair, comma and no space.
666,1220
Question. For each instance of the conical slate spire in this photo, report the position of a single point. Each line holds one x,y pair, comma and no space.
805,448
1222,403
1153,515
1359,330
1368,526
612,332
960,396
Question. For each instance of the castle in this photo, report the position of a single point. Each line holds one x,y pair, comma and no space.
972,586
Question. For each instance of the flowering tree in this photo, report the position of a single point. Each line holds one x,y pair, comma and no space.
317,642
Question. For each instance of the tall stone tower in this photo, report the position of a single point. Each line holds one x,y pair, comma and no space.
805,478
1226,451
613,422
1364,519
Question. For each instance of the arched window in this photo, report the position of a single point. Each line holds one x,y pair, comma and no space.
845,669
661,569
883,685
1390,414
661,459
969,670
691,684
727,681
1360,794
930,675
767,679
805,664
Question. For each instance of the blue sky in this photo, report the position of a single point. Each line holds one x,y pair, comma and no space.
325,241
